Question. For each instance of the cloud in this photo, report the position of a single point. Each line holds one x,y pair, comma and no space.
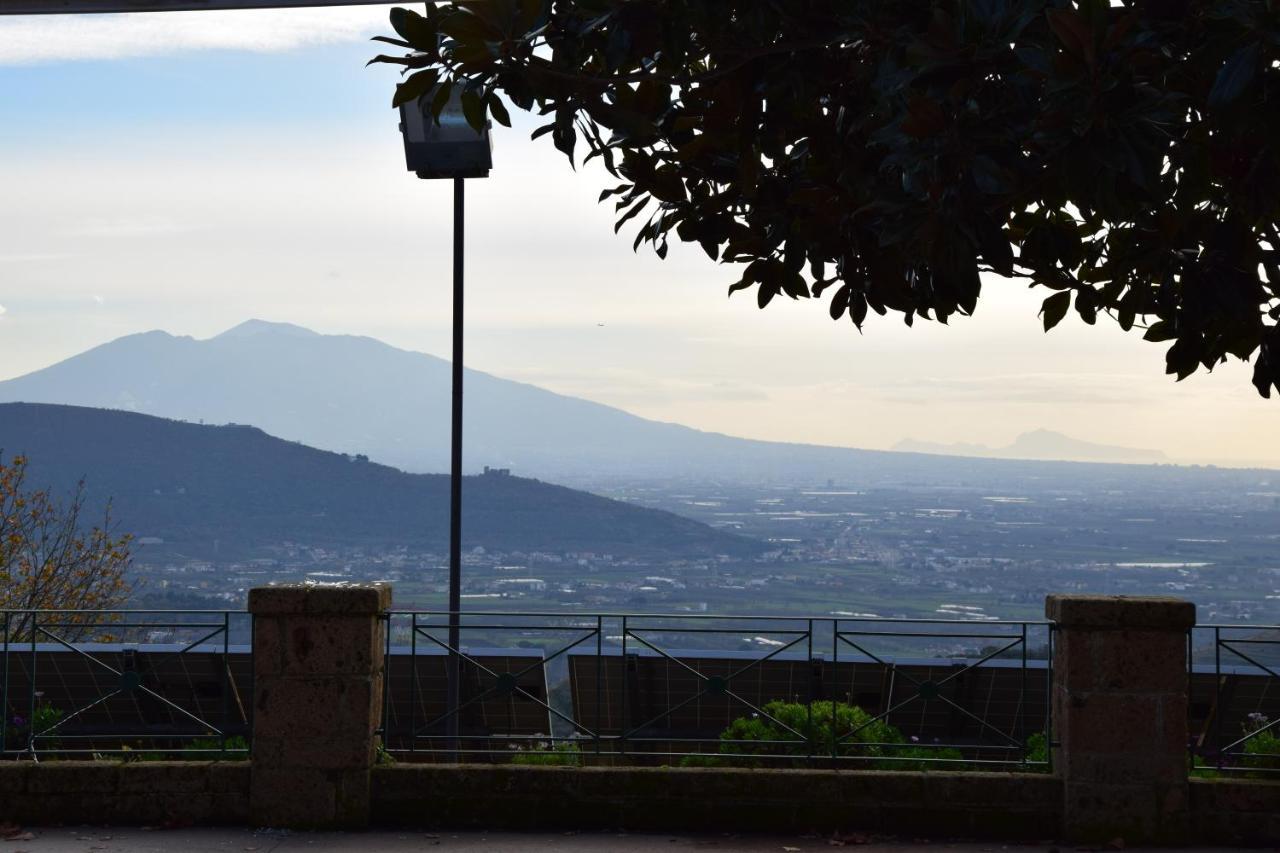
50,38
3,310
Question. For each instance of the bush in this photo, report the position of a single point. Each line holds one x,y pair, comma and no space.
1262,749
237,748
792,728
20,729
555,755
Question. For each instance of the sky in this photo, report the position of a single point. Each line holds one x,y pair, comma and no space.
188,171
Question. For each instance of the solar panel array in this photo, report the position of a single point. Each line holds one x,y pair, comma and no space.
160,697
144,697
1221,704
687,696
502,696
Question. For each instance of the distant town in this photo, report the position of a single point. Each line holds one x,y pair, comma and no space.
837,550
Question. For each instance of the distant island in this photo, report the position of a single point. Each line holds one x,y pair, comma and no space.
1039,444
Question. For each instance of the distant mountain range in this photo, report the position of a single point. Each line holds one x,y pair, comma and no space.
356,395
228,491
1039,444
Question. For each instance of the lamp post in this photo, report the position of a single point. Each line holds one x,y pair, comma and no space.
449,147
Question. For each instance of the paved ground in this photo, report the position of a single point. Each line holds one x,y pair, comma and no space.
118,840
146,840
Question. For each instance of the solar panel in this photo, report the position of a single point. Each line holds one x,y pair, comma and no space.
1221,703
693,696
139,696
502,698
157,697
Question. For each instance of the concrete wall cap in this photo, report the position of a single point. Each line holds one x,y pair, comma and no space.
1120,611
334,599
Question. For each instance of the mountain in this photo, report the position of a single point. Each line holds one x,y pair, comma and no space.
1040,444
235,489
356,395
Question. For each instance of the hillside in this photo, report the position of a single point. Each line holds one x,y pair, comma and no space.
236,486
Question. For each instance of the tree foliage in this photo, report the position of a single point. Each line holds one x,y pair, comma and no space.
50,560
887,152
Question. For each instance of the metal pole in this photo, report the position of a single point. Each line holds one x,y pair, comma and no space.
455,477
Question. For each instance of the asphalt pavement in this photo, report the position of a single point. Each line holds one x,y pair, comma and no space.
214,840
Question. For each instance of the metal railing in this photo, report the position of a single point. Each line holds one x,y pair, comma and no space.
701,689
1234,675
135,683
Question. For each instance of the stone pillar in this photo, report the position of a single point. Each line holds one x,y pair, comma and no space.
1120,716
317,701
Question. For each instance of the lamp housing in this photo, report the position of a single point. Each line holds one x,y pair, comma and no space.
449,148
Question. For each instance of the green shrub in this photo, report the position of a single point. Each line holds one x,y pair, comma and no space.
563,754
1262,749
793,728
237,748
20,729
199,749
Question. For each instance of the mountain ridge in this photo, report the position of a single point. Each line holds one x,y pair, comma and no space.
358,395
212,489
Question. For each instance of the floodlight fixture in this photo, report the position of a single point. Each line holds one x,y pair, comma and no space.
447,147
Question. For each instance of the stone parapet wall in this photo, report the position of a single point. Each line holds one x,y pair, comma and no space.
317,670
178,793
935,804
1120,715
1235,811
1119,742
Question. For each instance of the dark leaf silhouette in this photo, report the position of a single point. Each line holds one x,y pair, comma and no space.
885,155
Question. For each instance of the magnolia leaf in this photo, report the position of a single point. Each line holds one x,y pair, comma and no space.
498,110
1055,308
415,86
1235,76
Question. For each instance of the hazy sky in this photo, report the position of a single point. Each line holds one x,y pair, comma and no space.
187,171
